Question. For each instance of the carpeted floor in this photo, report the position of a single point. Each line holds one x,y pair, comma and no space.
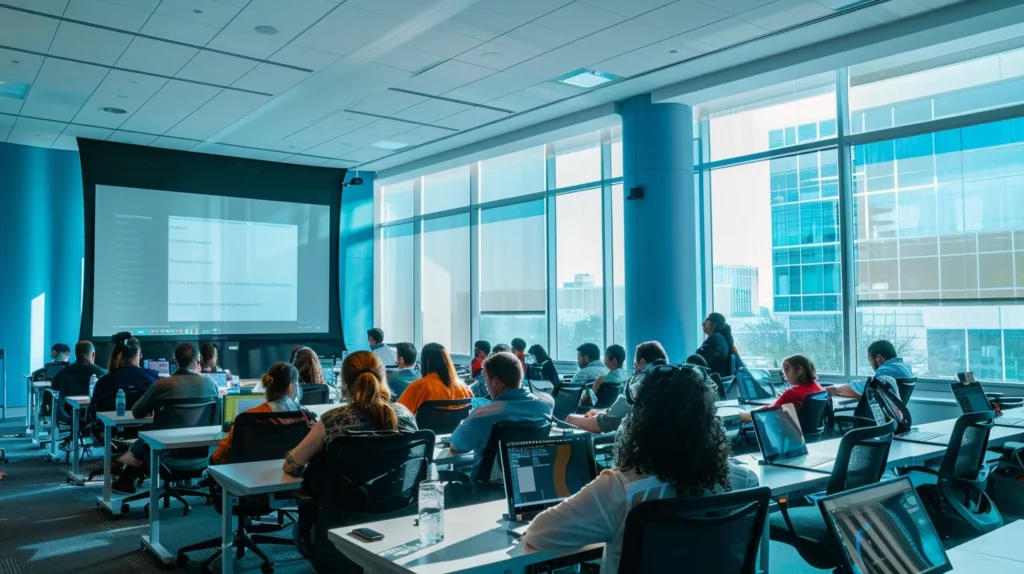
49,526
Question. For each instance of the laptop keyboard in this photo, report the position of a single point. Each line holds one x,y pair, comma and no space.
919,436
1010,421
808,460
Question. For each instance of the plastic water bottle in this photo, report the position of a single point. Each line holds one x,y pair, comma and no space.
120,402
92,384
431,503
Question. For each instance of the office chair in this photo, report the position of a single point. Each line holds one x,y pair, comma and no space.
121,437
363,476
315,395
812,416
606,395
71,386
186,464
860,461
442,416
717,533
957,503
255,436
567,400
905,387
490,467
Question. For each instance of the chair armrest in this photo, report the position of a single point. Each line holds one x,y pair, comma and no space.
452,476
784,508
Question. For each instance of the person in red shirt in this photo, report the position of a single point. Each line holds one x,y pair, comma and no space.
803,378
481,350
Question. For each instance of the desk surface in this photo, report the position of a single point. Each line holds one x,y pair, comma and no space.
110,418
182,438
78,400
261,477
41,384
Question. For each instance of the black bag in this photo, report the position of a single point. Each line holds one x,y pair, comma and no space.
890,404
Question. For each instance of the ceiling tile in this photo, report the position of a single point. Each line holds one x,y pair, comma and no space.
179,30
6,123
367,154
154,56
424,134
532,38
346,19
430,110
131,138
55,7
442,42
627,65
481,24
304,12
491,87
338,164
10,106
215,68
295,55
28,131
333,148
375,132
104,13
240,36
137,89
582,53
299,159
88,43
19,67
543,68
471,118
325,35
174,143
785,13
490,55
26,31
217,114
86,132
387,102
326,129
240,151
522,9
446,76
630,8
552,91
675,49
204,12
725,33
682,16
173,103
270,79
401,9
629,36
579,19
61,89
407,59
740,6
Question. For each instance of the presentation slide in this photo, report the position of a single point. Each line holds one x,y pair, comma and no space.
171,263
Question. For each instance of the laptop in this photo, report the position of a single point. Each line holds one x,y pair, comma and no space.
750,392
52,369
220,378
163,368
913,435
540,474
970,395
782,442
566,402
884,529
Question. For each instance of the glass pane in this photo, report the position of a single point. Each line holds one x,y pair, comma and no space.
941,341
512,175
445,288
616,151
944,80
396,201
578,161
395,282
775,245
580,271
446,190
771,118
940,216
619,264
513,273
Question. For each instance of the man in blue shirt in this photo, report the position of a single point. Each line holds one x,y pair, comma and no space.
405,354
883,359
503,376
588,358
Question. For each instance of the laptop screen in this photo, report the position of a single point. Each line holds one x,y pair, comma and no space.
884,529
161,367
52,369
540,474
748,387
221,379
778,433
971,397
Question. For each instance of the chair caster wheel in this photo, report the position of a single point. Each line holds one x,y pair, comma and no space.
182,560
267,568
125,508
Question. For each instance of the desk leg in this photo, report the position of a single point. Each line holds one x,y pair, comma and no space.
227,532
152,541
104,501
29,429
37,401
73,476
54,447
765,547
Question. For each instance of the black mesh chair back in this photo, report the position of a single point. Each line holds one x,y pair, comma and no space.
763,380
861,459
566,400
187,413
906,388
71,386
963,474
606,394
717,533
315,395
266,436
442,416
508,431
812,415
106,402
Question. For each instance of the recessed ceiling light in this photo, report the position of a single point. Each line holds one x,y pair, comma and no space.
586,78
13,90
197,11
673,51
390,146
129,141
266,30
122,96
492,56
15,62
133,81
110,110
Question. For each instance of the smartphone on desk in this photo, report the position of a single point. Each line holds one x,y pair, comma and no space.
366,534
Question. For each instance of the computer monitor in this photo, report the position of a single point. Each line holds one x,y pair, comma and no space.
884,529
971,397
540,474
778,433
52,369
220,378
235,404
966,377
163,368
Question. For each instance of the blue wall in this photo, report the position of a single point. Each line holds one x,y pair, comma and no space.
41,245
356,266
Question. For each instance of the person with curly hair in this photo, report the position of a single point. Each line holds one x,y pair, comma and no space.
671,445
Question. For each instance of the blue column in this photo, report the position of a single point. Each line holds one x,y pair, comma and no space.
355,271
662,230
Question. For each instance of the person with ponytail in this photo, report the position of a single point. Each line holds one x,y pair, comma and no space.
718,348
124,370
280,383
368,408
439,383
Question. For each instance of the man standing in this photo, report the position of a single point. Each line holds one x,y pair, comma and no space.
883,359
375,337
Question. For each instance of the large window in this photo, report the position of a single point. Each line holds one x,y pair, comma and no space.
618,265
444,296
446,190
395,282
580,271
512,175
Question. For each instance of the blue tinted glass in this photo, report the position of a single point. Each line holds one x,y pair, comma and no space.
827,129
807,132
775,139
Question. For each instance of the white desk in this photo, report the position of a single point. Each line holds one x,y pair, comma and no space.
1000,549
109,420
159,441
319,410
54,453
35,405
245,479
77,403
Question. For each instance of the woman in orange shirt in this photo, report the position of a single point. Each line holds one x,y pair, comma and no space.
439,382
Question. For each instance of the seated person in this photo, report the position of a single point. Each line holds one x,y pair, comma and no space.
186,383
407,371
479,388
883,359
84,366
280,383
803,379
543,368
718,347
652,463
123,371
208,358
699,361
481,350
369,408
440,382
519,350
59,355
649,353
503,375
614,358
588,358
307,363
386,354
